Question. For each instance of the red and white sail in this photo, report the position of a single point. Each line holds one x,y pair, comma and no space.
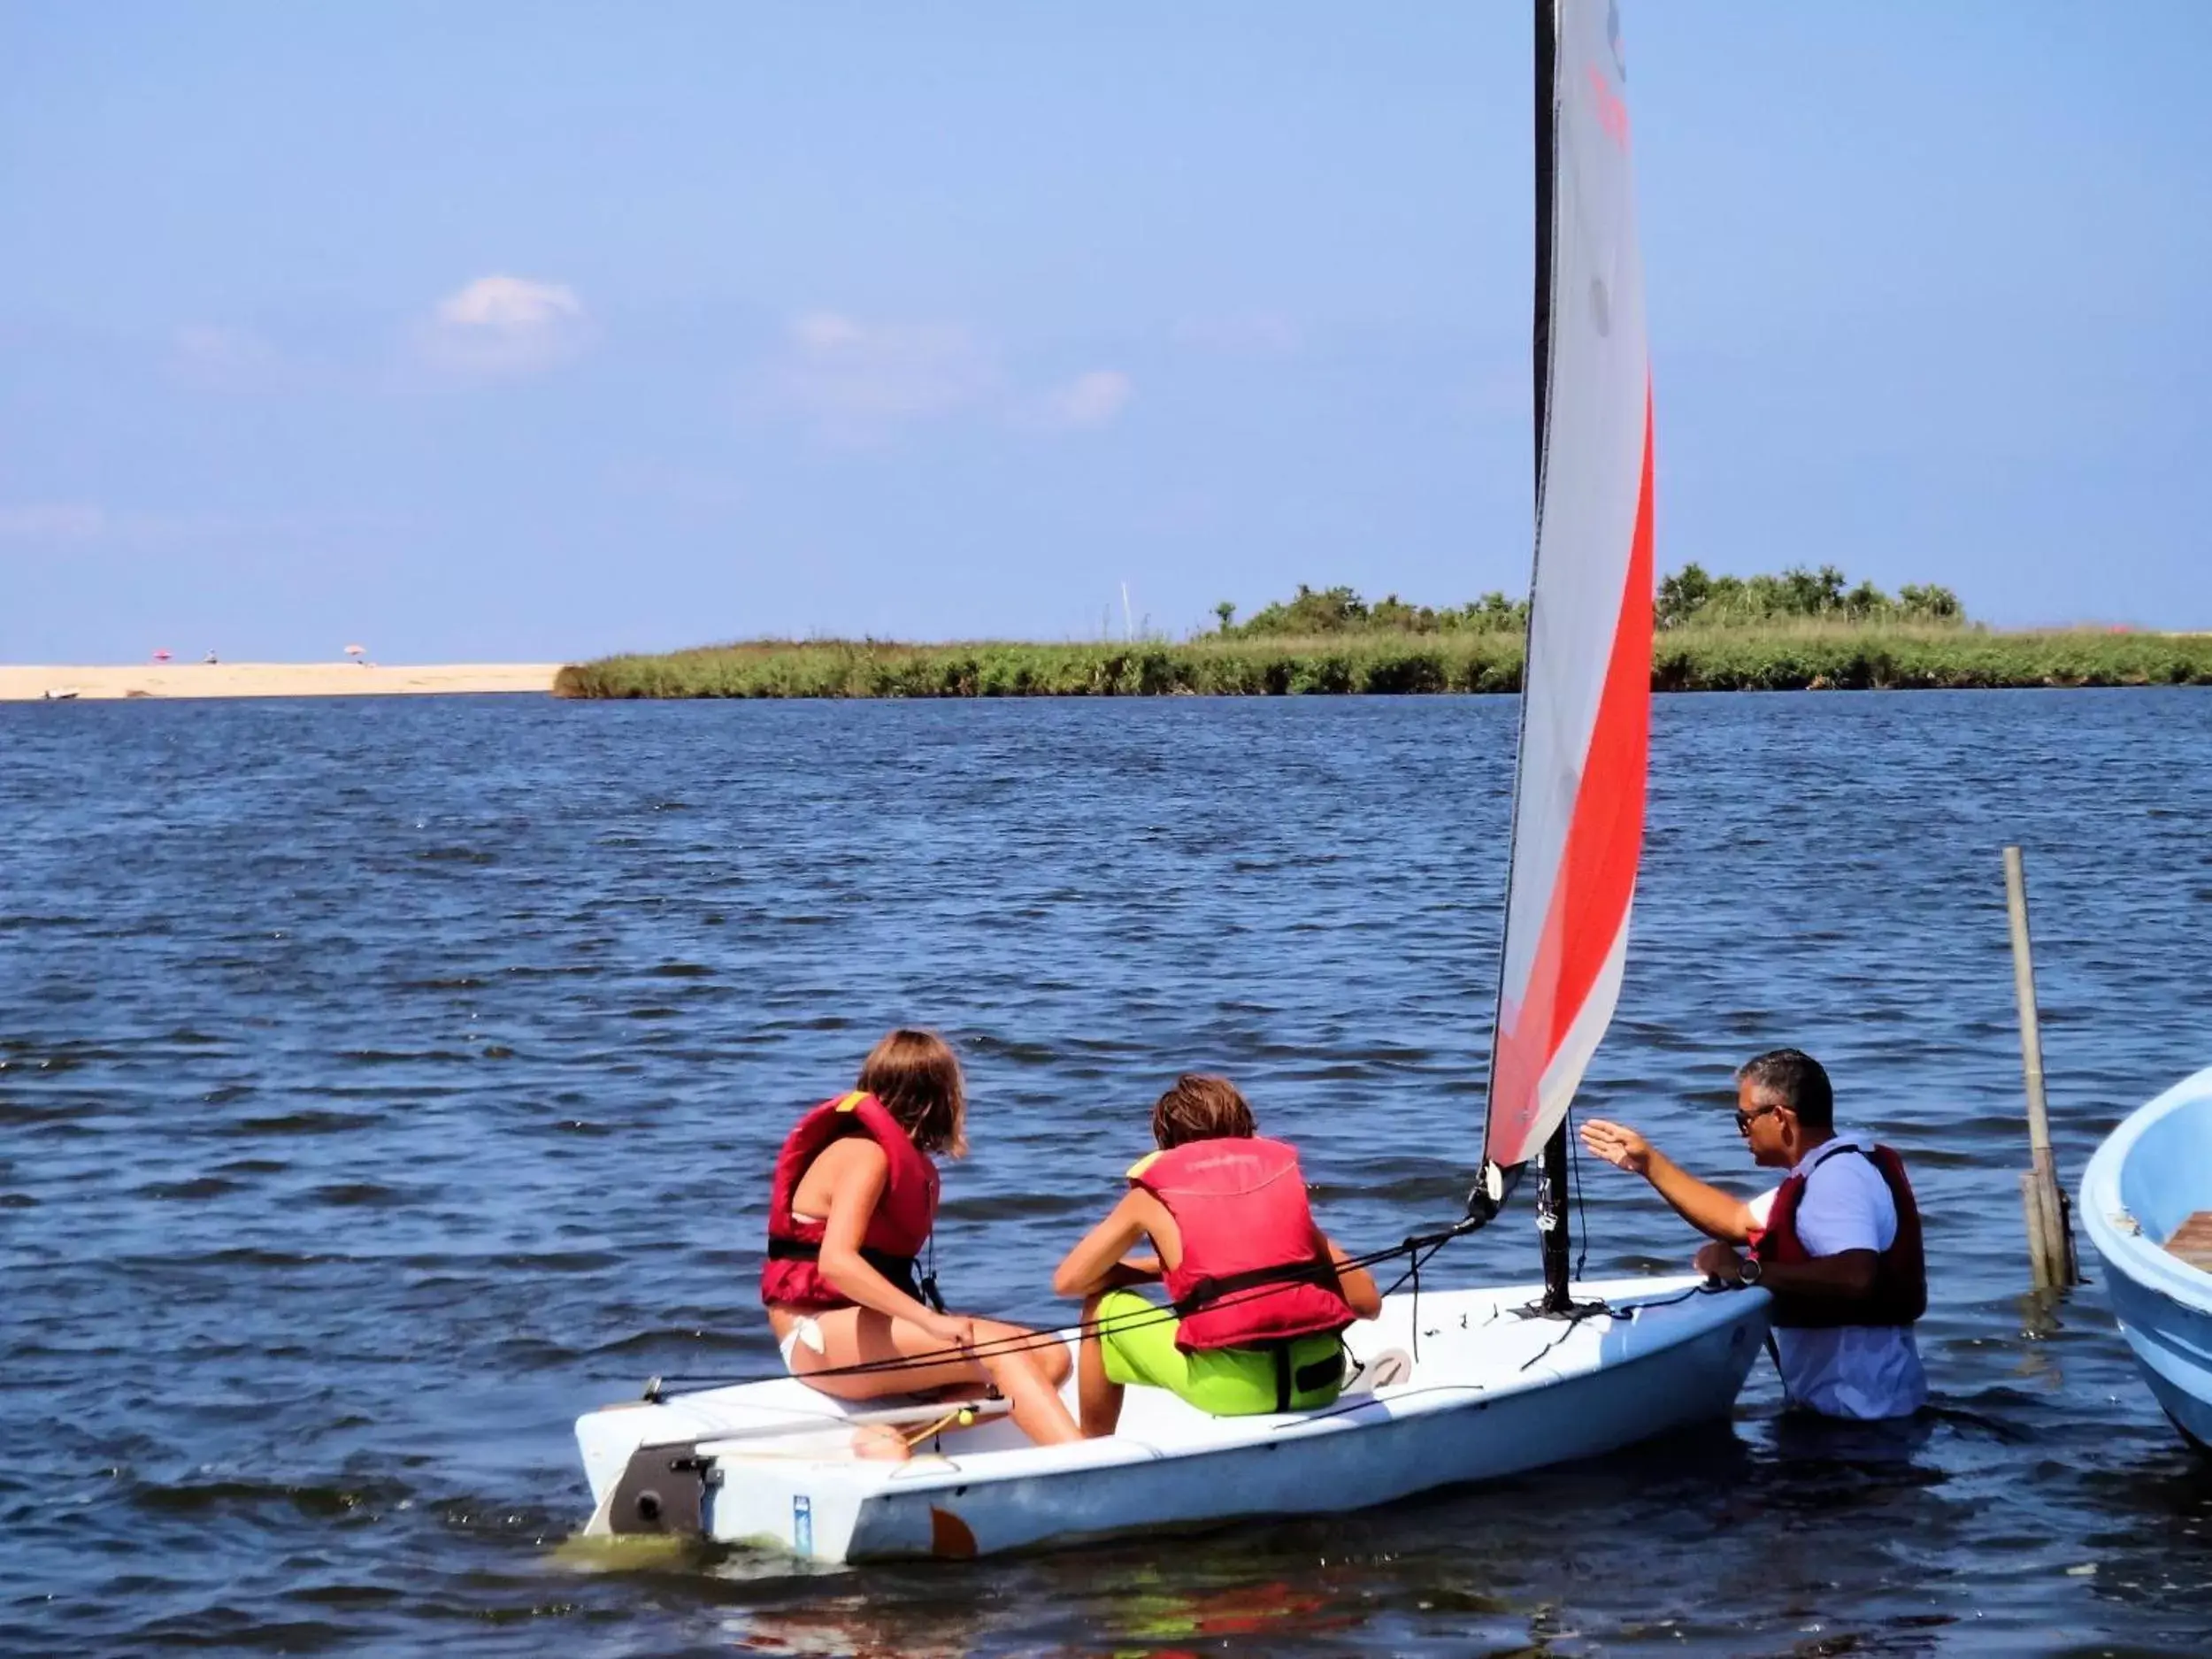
1578,797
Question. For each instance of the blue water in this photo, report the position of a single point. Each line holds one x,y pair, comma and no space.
384,1082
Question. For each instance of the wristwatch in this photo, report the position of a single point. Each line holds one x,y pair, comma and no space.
1748,1272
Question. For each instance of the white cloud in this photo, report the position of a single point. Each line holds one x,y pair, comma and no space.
505,325
854,381
512,304
1094,399
51,522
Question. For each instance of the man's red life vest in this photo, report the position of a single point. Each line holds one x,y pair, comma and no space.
792,1275
1901,1278
1241,1207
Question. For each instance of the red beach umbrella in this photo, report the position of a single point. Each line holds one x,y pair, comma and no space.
161,656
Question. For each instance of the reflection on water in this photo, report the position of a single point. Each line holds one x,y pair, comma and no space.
383,1084
1137,1611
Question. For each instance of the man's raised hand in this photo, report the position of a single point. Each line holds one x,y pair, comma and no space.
1618,1145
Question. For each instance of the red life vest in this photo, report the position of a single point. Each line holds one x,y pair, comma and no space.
1241,1207
1900,1277
792,1275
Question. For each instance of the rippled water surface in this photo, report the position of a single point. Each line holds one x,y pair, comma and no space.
384,1082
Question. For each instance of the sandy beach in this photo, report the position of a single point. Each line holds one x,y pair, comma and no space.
271,679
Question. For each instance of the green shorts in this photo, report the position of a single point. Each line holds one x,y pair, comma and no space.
1138,1343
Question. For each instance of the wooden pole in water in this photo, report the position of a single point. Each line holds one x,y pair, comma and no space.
2042,1199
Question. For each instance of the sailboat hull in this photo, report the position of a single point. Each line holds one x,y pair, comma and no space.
2148,1181
1493,1392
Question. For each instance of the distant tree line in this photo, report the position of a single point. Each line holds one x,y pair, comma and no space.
1776,657
1340,610
1691,595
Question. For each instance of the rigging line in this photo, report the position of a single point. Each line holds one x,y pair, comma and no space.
828,1416
1416,1261
998,1346
1417,1245
1150,1315
994,1349
1412,1271
1574,1170
1591,1311
1568,1321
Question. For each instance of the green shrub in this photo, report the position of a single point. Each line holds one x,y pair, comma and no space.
1783,657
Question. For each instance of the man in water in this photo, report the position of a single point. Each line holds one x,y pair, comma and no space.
1837,1243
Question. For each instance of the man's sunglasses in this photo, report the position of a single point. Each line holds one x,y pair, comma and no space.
1744,1119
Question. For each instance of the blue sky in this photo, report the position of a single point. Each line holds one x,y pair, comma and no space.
507,331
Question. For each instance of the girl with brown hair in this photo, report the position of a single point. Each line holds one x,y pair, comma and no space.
853,1203
1260,1293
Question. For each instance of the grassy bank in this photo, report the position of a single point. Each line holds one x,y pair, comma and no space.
1787,658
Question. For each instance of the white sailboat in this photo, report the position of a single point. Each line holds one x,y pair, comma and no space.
1481,1383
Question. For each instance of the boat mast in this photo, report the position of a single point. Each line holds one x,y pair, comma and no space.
1551,1185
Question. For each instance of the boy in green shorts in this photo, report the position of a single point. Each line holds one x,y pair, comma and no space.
1260,1293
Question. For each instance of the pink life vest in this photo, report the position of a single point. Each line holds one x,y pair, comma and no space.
792,1275
1253,1271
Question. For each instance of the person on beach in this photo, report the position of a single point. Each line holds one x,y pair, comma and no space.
1261,1293
850,1209
1837,1243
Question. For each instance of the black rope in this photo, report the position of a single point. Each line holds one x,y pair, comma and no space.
1415,1257
1574,1315
1590,1310
1582,1216
928,1286
1418,1247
